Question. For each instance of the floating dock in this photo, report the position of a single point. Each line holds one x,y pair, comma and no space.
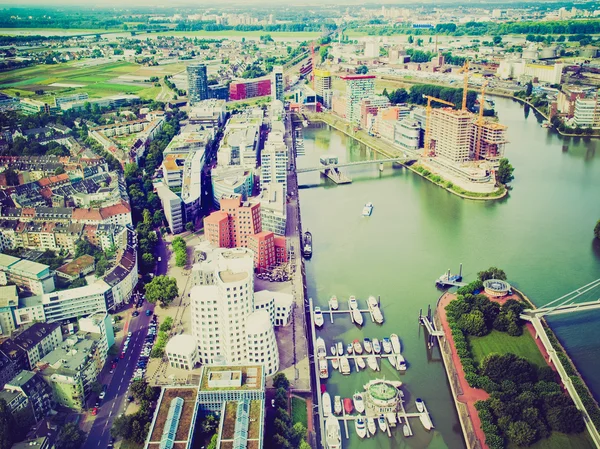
368,310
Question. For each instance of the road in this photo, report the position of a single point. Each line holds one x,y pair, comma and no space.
114,402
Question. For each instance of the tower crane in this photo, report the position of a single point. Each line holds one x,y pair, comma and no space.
428,119
480,120
465,70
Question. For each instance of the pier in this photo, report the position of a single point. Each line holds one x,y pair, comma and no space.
349,311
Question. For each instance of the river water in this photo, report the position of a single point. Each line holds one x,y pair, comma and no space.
541,235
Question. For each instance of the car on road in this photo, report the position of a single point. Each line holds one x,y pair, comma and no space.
130,398
129,334
148,312
95,411
122,356
136,313
101,396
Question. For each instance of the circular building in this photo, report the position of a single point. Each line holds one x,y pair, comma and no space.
182,351
383,395
496,287
261,343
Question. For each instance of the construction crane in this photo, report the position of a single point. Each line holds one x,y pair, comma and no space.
465,70
480,120
428,119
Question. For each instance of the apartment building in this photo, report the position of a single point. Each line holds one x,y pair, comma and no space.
208,113
278,84
172,207
28,390
322,83
274,158
242,90
182,352
9,301
243,220
27,275
369,109
269,250
273,208
451,134
197,83
407,134
28,347
231,180
587,113
358,87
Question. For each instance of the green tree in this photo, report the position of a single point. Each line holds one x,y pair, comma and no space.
411,39
281,381
209,425
473,323
70,437
565,419
529,88
138,389
281,398
362,70
297,434
96,387
492,273
189,226
521,433
7,426
163,289
213,442
497,40
167,324
597,230
121,427
504,174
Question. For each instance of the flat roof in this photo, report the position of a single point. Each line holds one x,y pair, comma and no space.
188,394
231,276
252,377
357,77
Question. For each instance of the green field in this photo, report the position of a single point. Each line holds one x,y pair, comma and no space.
299,411
502,343
97,80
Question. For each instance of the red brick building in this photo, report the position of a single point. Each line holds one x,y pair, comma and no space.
269,250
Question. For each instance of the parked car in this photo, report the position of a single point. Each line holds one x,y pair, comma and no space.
95,411
148,312
101,396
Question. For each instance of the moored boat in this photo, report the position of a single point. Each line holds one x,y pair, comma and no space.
333,435
361,427
352,302
333,303
360,362
372,362
344,365
349,348
376,346
319,320
335,363
405,430
387,345
348,407
321,351
375,310
382,423
337,405
367,344
359,403
326,401
307,248
420,405
392,359
367,210
340,348
333,350
396,346
391,419
400,363
357,317
357,347
371,426
426,421
323,369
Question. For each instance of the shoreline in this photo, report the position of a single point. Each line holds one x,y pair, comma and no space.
323,119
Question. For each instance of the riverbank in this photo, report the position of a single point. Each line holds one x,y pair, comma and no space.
388,151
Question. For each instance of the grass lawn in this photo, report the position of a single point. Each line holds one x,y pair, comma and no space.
299,411
502,343
562,441
130,445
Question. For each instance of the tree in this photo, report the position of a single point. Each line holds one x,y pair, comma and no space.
121,427
521,433
297,434
209,425
167,324
497,40
281,381
7,426
59,171
189,226
70,437
281,399
504,174
565,419
597,230
473,323
138,389
492,273
163,289
213,442
529,88
96,387
410,39
362,70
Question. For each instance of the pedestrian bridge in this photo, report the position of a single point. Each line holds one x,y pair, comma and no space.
332,163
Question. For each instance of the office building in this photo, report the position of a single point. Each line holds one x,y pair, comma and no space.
525,71
407,134
29,391
76,302
242,90
371,49
9,301
274,158
231,180
273,208
322,82
208,113
269,250
172,207
25,274
587,113
242,220
182,352
197,83
278,86
451,134
357,88
277,304
261,344
99,323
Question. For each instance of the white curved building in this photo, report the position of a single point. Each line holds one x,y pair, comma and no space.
182,352
261,343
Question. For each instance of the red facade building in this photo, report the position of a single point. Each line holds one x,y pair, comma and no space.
241,90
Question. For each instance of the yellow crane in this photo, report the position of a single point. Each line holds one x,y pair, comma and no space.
428,119
465,70
480,120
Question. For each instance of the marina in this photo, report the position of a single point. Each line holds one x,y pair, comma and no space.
354,311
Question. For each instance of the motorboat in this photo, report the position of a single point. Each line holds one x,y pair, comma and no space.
326,404
406,430
349,348
375,310
376,346
382,423
321,351
367,210
387,345
361,427
426,421
357,347
391,418
335,363
359,403
392,359
352,302
420,405
396,347
333,350
307,248
333,303
333,436
348,407
337,405
344,365
360,362
368,345
400,363
319,320
323,369
371,426
372,362
340,348
357,317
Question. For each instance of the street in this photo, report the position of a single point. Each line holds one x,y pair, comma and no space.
118,383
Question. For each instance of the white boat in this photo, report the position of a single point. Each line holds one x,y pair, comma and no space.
420,405
326,401
405,430
335,363
344,365
376,346
349,348
333,303
357,347
333,350
382,423
319,320
359,403
372,362
375,310
340,348
426,421
396,347
352,303
323,369
368,345
321,351
333,436
360,362
392,359
391,418
361,427
371,426
367,210
400,363
357,317
337,405
387,345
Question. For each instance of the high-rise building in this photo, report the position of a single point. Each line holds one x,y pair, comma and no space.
274,158
322,84
451,132
587,113
277,80
197,83
357,88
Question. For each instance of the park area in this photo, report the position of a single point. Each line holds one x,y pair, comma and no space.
98,78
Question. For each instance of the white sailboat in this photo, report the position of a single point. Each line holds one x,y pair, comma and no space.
360,362
368,345
326,401
375,309
333,436
340,348
387,345
344,365
352,303
321,351
400,363
420,405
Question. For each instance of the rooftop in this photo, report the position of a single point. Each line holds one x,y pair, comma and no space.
252,377
188,394
181,344
231,276
69,357
76,266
